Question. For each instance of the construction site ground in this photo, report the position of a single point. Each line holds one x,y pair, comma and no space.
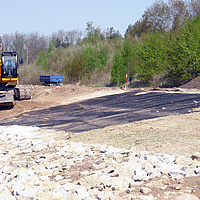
159,120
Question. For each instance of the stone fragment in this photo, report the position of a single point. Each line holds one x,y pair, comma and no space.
177,186
156,184
103,195
176,176
197,170
145,190
119,158
81,192
196,156
148,167
108,169
187,197
27,192
58,177
99,166
45,195
69,186
182,161
144,197
85,173
190,173
5,194
163,187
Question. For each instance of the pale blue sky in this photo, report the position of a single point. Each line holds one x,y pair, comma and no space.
48,16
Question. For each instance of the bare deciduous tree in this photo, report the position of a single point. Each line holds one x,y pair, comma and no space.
35,44
157,16
194,7
67,38
19,44
178,10
7,42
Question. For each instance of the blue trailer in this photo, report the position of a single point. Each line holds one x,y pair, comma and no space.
51,79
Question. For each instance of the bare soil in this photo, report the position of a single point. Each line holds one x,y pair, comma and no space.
179,134
172,134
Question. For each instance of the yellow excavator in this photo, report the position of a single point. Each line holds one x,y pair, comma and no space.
9,64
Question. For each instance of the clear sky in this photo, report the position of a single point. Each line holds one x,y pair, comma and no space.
48,16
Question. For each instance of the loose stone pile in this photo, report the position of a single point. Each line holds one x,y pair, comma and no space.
35,166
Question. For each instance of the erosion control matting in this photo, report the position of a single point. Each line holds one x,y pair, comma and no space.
108,110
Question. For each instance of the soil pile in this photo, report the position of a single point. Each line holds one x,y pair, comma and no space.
193,84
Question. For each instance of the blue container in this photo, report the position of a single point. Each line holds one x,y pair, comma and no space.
51,79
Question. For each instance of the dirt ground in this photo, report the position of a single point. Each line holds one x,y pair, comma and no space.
173,135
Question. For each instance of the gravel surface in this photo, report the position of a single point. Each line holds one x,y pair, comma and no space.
35,166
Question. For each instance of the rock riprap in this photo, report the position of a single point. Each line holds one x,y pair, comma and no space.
35,166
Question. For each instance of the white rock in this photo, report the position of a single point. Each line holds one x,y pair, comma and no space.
69,186
44,178
143,197
58,177
77,147
30,171
90,153
105,195
145,190
17,187
53,165
5,194
148,167
140,172
82,192
28,192
187,197
100,166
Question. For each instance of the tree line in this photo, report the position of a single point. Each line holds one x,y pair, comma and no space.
161,48
31,44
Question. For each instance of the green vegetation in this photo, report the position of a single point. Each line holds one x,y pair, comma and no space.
160,49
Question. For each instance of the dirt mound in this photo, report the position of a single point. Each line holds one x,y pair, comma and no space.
193,84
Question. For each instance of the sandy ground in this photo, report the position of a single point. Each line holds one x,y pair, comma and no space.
172,135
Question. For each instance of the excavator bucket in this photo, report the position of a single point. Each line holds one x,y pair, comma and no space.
7,98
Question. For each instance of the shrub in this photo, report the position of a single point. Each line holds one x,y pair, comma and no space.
30,74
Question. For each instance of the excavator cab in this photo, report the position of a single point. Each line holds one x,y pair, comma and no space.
9,66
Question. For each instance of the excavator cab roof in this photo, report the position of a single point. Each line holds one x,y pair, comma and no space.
7,53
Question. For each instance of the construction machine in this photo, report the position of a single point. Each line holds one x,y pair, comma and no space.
9,91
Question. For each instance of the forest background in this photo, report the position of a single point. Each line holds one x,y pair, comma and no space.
162,49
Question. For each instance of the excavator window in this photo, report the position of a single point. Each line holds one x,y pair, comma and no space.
9,65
